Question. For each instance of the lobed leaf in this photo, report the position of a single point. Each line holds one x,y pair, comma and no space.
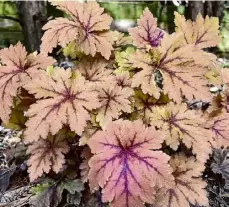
59,31
62,100
46,155
120,39
72,50
89,130
182,69
220,130
84,166
183,126
128,164
225,100
16,70
146,34
220,164
203,33
225,76
188,188
50,194
123,79
122,59
114,99
146,77
88,28
143,105
73,186
95,70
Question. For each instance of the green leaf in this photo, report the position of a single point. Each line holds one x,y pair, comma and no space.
40,188
72,50
74,199
48,197
121,59
73,186
50,70
17,120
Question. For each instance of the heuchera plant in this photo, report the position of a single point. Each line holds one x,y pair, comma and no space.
126,101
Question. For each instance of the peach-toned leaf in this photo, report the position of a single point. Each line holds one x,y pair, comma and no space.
127,163
203,33
123,79
220,129
213,76
182,69
120,39
114,99
146,77
225,100
63,100
219,103
183,125
16,70
188,188
88,28
95,70
225,76
46,155
146,34
59,31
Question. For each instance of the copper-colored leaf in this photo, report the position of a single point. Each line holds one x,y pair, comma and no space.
127,163
182,69
188,188
114,99
146,34
203,33
63,100
88,28
46,155
183,125
16,70
216,106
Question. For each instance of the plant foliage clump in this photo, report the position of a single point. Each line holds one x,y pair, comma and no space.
119,123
